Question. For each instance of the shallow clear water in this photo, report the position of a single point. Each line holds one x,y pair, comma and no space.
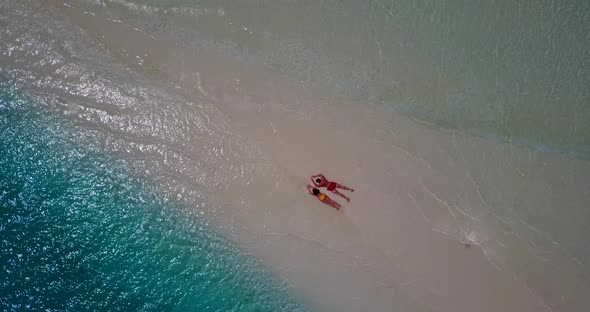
79,231
512,71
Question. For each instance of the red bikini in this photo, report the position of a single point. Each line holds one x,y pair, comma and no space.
319,180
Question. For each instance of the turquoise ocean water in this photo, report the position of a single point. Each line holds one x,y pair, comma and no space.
79,232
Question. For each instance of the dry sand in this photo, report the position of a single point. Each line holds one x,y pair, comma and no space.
433,223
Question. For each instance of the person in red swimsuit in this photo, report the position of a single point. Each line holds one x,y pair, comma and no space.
323,197
320,181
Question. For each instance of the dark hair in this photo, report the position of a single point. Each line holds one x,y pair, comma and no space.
315,191
318,180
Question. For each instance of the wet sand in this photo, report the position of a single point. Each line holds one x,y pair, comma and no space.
433,222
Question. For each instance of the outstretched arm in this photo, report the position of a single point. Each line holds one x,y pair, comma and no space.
323,181
310,188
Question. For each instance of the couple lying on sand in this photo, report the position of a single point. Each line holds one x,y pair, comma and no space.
320,181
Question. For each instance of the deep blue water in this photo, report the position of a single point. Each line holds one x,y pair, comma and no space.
80,232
